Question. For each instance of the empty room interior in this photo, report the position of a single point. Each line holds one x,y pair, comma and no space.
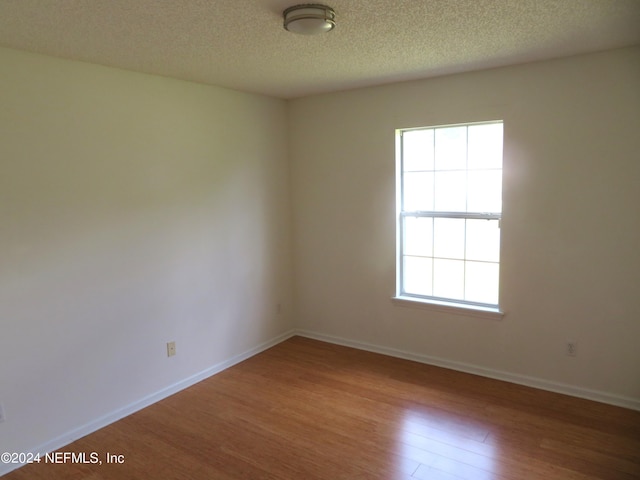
232,244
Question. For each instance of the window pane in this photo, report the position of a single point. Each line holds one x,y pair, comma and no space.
485,146
418,275
448,238
450,191
448,279
483,240
418,236
418,191
451,148
481,282
485,191
417,150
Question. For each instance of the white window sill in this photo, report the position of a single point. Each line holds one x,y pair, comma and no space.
455,308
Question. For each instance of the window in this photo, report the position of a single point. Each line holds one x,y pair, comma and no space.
449,213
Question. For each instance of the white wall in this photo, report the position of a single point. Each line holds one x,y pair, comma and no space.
134,210
571,225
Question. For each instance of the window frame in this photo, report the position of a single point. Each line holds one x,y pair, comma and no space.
450,305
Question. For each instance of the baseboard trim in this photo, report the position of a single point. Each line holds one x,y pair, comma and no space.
574,391
77,433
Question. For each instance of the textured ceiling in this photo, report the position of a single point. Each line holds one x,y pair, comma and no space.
241,44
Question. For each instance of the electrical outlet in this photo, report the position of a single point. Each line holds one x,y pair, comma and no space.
2,416
572,348
171,349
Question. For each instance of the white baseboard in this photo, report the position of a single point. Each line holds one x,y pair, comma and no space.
75,434
574,391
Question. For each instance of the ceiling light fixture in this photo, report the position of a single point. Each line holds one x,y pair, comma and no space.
309,19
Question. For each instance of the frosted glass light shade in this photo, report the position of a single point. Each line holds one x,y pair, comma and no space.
309,19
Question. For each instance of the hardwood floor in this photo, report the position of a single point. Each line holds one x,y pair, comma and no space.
311,410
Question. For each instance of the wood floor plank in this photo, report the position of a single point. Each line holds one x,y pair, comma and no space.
311,410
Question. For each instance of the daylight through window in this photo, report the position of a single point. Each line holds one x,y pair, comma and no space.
450,207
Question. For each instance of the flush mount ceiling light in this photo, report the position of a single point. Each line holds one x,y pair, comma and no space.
309,19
